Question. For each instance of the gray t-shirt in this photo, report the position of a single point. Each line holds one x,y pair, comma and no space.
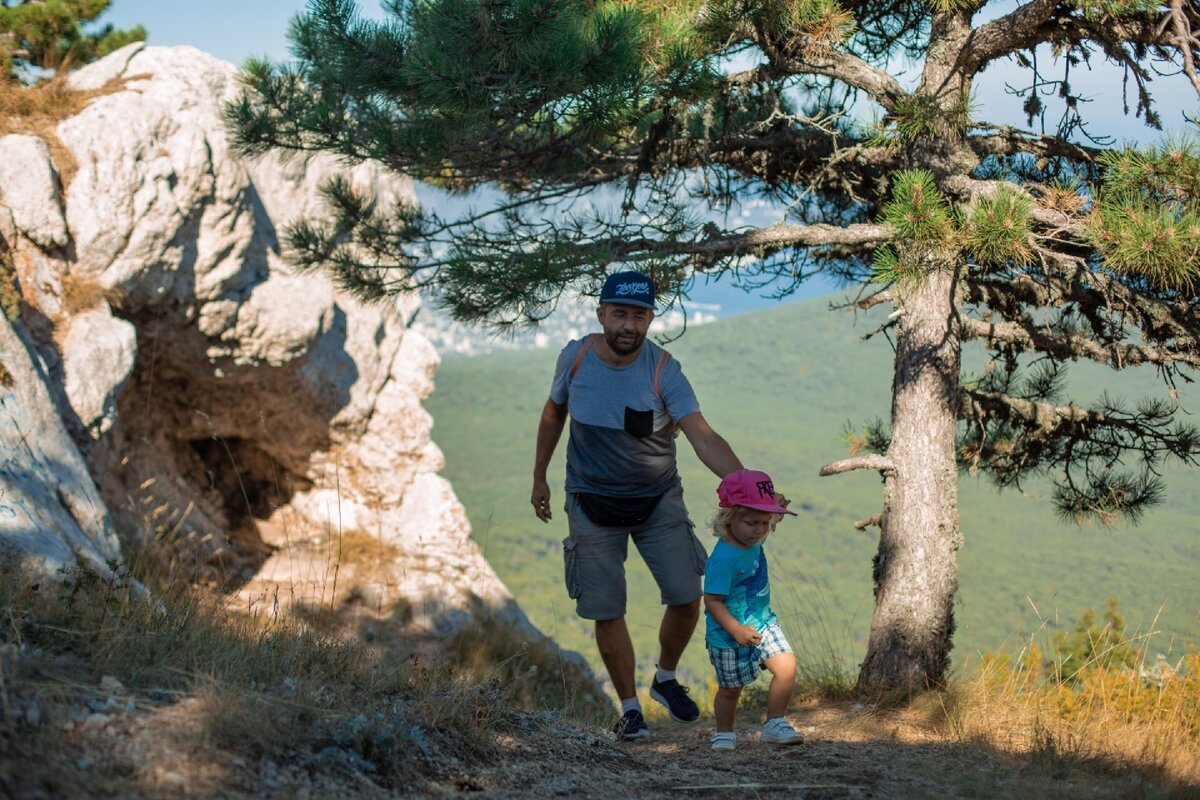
622,441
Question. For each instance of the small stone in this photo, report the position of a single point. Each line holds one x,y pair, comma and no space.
111,685
95,722
173,779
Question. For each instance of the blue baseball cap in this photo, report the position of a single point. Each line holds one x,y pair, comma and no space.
629,289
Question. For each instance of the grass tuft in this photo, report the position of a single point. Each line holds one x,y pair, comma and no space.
259,688
36,110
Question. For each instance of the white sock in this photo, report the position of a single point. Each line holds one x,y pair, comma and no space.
662,675
632,704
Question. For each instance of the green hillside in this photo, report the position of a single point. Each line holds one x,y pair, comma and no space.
781,386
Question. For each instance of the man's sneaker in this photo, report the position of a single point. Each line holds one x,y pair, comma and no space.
632,725
724,740
675,697
780,731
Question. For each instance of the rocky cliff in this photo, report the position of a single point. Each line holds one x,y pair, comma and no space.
171,384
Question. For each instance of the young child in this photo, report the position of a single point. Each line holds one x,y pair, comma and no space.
743,634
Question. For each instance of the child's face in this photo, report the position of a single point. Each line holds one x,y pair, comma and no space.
750,527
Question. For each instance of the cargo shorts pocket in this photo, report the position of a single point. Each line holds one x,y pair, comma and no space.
571,568
699,554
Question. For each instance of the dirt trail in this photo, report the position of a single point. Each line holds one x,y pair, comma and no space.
161,749
848,753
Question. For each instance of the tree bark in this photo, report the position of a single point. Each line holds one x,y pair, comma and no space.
916,570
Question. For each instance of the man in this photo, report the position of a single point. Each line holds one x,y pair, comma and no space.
625,397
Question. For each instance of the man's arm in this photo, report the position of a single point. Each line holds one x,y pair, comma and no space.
550,428
711,449
742,634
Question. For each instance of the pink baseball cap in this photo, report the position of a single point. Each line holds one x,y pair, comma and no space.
749,488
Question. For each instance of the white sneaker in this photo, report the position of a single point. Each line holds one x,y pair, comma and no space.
780,731
724,740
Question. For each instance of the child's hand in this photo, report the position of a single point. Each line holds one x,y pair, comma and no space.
745,636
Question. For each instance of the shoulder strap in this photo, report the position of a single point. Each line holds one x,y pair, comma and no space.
663,358
583,348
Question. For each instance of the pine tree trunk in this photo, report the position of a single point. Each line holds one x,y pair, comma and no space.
915,570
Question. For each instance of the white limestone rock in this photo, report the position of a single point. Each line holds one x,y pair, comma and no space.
51,514
98,357
29,188
218,393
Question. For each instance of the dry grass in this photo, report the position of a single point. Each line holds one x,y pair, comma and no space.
1143,721
81,294
535,674
262,689
36,111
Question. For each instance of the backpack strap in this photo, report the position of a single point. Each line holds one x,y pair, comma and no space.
664,358
587,345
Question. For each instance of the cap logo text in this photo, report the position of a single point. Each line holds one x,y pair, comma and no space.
624,289
765,488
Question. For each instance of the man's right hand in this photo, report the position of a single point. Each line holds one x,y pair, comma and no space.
540,499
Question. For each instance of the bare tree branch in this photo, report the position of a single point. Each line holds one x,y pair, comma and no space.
1008,141
873,461
1016,31
1043,416
1116,355
1186,41
847,68
866,522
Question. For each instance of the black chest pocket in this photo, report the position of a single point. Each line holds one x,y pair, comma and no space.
639,423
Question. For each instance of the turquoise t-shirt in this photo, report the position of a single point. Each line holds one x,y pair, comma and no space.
741,576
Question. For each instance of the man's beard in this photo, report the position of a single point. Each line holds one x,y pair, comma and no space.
615,345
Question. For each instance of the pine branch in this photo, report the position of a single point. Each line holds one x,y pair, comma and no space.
844,67
1018,30
1009,437
1048,20
1009,141
1185,39
1116,355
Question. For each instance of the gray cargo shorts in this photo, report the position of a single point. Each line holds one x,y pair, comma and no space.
594,557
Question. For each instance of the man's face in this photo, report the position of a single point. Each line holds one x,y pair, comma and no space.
624,326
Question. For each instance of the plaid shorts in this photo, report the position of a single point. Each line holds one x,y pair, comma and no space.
739,666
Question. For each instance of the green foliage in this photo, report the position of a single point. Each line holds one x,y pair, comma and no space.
813,24
1092,645
51,35
886,266
467,91
1146,222
997,229
1120,9
919,117
918,211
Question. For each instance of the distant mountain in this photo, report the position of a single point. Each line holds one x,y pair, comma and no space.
574,317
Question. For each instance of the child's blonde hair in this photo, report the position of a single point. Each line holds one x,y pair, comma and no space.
725,517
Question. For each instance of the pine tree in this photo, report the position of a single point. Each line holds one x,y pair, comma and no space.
618,133
50,35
